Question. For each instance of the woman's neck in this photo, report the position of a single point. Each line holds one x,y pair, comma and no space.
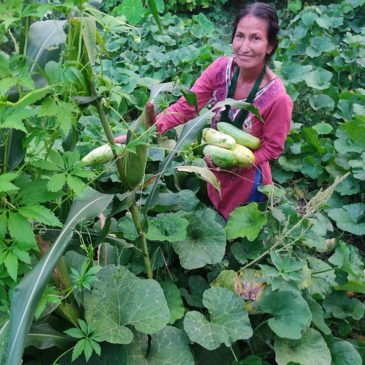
250,75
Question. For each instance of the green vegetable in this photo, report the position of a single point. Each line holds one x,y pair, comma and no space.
221,157
244,156
101,155
241,137
215,138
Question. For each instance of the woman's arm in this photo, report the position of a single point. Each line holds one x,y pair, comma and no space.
181,112
275,129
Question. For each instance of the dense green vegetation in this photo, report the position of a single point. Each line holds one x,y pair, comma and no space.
126,262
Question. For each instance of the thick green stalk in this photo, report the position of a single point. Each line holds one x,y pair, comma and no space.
134,210
142,235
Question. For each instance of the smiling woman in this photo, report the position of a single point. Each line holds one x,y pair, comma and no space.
243,76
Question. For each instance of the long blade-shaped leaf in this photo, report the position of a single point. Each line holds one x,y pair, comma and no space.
28,292
44,38
153,8
189,132
89,36
204,173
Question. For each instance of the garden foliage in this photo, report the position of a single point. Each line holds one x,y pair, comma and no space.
126,262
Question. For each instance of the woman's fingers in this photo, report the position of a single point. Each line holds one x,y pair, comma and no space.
120,139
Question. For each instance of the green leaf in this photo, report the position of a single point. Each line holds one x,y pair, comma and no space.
205,241
127,227
350,218
36,192
120,299
174,301
78,349
204,173
89,36
170,347
294,72
133,10
167,227
75,184
29,291
246,221
291,314
43,336
11,264
153,8
187,135
322,101
318,79
317,315
190,97
228,320
310,349
3,225
339,305
40,214
344,353
5,182
56,182
323,128
20,229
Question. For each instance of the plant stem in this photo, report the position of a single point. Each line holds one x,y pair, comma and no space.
138,223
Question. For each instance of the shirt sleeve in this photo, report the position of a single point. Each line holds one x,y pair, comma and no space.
277,122
181,112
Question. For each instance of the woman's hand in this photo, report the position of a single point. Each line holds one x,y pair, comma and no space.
121,139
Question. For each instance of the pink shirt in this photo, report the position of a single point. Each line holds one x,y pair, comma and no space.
276,109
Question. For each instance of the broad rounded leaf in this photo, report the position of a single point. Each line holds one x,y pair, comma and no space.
167,227
170,347
350,218
318,79
120,299
246,221
205,242
339,305
344,353
290,311
228,320
310,349
322,101
174,301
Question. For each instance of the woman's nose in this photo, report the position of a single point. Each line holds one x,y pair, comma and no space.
245,45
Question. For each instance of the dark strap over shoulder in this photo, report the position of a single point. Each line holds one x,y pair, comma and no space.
242,115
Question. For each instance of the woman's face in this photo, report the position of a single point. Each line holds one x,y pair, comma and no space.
250,43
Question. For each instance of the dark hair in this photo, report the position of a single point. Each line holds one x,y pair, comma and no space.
266,12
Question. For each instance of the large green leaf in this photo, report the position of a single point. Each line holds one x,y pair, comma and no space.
350,218
310,349
43,336
29,291
204,173
318,79
45,41
344,353
339,305
168,347
246,221
174,301
120,299
290,311
188,134
205,242
228,320
167,227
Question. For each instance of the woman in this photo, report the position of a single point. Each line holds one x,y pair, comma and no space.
254,41
244,76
